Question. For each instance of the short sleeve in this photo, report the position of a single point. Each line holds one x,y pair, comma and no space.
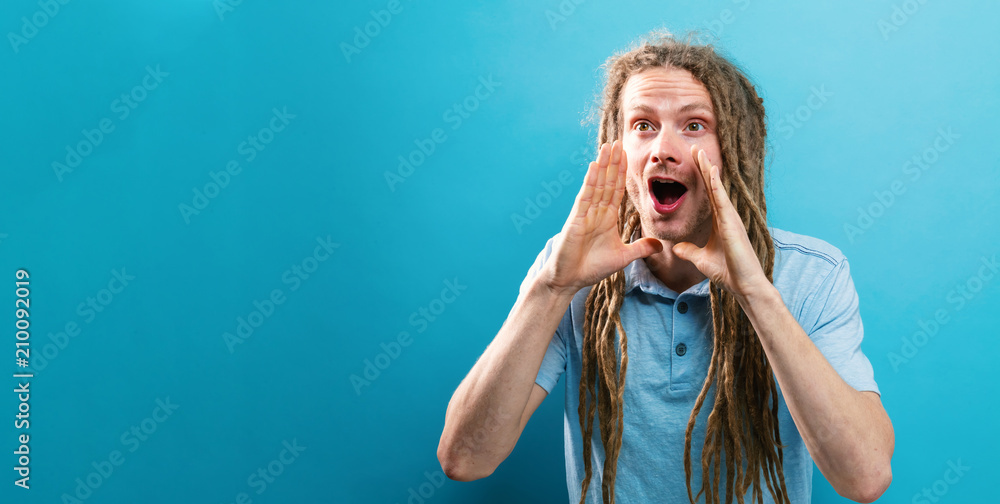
836,328
554,362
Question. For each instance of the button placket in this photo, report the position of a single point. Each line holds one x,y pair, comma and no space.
680,349
681,327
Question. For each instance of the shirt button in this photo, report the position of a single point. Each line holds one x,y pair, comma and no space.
682,307
681,349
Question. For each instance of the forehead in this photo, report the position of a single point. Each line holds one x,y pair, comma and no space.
664,88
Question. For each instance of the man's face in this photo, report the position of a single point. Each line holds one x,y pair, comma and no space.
666,111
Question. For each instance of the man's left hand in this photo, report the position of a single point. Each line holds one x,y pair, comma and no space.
728,259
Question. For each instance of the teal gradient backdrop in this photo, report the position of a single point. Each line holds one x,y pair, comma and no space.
210,200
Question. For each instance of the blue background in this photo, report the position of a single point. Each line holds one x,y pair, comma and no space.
324,176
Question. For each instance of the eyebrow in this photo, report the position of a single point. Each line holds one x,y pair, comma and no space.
641,107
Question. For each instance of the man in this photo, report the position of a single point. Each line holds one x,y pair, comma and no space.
682,288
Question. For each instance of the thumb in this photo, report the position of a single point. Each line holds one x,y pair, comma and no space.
688,252
644,247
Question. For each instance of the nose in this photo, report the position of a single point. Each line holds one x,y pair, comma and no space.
668,148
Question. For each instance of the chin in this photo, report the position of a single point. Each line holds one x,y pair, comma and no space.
671,230
676,228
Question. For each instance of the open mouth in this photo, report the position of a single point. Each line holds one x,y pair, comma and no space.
666,194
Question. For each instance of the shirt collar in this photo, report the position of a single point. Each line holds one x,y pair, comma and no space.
637,274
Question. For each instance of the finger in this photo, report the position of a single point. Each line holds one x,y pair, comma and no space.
611,176
585,197
620,185
602,168
688,252
644,247
723,206
703,168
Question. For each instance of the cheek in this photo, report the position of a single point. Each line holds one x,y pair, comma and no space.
716,156
632,186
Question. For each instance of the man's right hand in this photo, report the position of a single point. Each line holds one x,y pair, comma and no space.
589,247
491,406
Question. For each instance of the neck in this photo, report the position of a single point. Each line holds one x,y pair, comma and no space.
677,274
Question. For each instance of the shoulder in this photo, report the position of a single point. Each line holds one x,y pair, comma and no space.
539,262
806,269
798,247
543,255
804,257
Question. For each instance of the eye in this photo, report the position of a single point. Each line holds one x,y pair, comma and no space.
699,126
643,126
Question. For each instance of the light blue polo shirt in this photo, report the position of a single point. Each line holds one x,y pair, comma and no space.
669,348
